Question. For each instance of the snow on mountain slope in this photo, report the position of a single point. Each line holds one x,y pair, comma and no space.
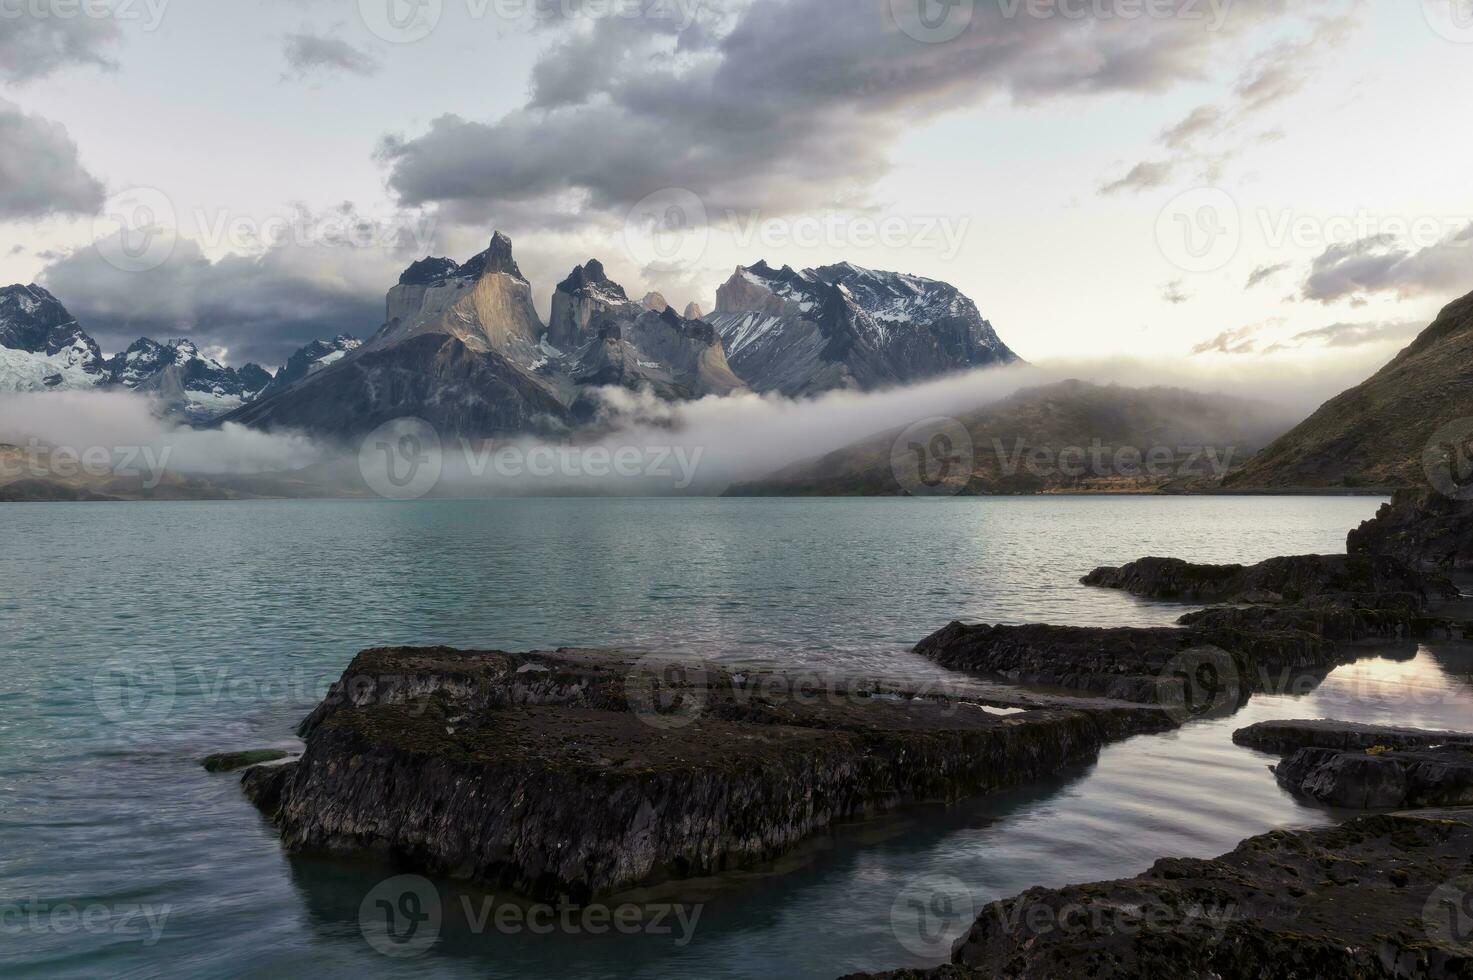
845,326
42,347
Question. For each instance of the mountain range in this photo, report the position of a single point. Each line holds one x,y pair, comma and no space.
462,347
44,348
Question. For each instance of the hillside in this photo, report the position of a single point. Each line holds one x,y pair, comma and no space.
1375,435
1071,437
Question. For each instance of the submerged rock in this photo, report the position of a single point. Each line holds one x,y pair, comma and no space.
483,765
1378,897
231,761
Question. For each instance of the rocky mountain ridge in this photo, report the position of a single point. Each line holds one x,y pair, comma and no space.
844,326
44,348
463,348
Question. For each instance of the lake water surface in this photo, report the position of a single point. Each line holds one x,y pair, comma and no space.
227,620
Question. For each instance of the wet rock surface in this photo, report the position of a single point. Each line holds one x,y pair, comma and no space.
1377,897
1368,767
483,765
1289,579
1420,527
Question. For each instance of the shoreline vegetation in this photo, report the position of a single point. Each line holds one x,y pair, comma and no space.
478,765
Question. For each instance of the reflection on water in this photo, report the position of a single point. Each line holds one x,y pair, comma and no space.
251,609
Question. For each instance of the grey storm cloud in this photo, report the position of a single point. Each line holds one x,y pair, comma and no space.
309,54
41,172
260,307
39,40
1380,264
782,105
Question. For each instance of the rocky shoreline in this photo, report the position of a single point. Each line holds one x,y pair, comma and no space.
480,765
1381,896
1371,898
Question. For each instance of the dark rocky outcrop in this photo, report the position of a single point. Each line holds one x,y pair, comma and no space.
1366,900
481,765
1278,580
1284,737
1420,527
1368,766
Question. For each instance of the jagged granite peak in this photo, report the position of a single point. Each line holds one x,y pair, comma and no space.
591,277
654,301
845,326
42,347
465,353
693,311
496,258
588,305
429,270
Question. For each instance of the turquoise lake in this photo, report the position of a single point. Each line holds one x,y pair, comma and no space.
228,620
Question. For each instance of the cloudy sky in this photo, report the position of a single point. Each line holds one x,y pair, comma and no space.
1240,182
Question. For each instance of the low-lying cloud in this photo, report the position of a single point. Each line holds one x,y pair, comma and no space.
699,447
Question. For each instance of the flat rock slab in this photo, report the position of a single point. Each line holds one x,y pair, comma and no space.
1190,672
1283,580
1368,767
1283,737
1378,897
484,765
